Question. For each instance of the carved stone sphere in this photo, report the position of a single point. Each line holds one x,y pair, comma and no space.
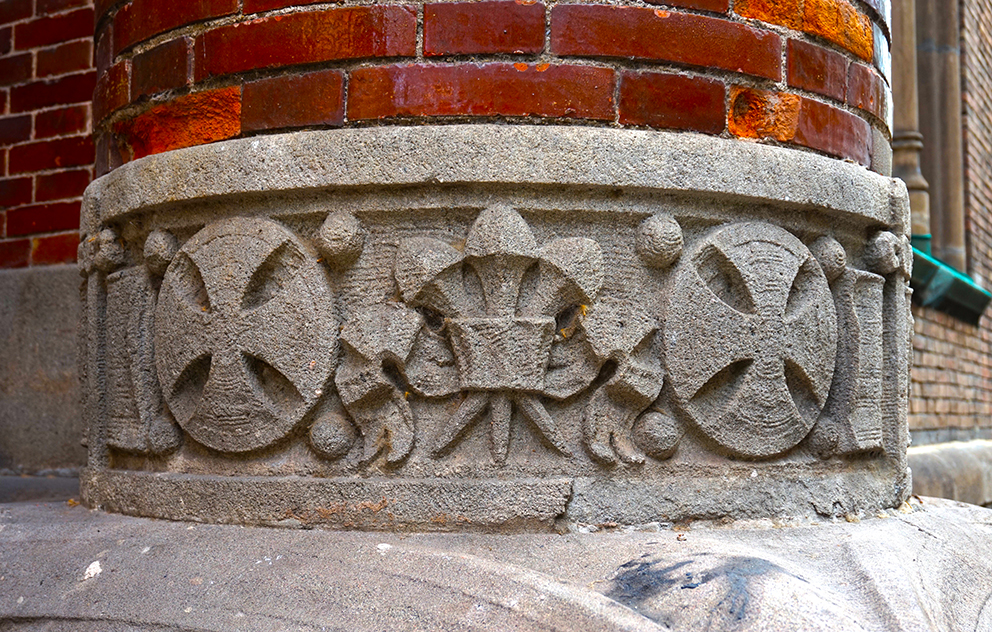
332,436
160,247
830,255
110,251
659,241
658,434
340,239
882,253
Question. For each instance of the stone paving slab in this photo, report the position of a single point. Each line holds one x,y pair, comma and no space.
926,567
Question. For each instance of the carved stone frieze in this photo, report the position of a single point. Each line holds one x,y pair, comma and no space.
403,338
751,339
244,333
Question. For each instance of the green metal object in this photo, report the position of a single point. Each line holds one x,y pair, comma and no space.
941,287
922,243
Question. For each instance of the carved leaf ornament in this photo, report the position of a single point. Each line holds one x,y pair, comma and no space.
751,339
244,334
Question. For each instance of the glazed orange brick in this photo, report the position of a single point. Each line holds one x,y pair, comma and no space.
653,34
308,37
62,185
468,28
113,90
482,90
15,253
315,98
782,12
63,59
762,113
70,89
194,119
865,90
162,68
672,101
61,122
142,19
719,6
76,151
54,249
54,29
817,69
841,23
43,218
833,131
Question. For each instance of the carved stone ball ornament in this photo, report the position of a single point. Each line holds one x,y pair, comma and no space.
244,343
751,339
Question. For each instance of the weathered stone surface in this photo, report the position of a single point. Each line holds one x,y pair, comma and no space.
751,339
922,568
244,343
661,346
41,425
961,470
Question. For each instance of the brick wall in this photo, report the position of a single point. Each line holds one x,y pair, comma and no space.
173,75
46,151
952,376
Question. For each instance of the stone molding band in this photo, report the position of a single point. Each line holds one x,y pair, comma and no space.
478,154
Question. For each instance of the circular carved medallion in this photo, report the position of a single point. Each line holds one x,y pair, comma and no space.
244,334
751,338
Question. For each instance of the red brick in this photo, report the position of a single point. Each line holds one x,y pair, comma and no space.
195,119
113,90
817,69
316,98
14,10
865,90
15,129
61,186
302,38
43,218
56,29
15,192
256,6
486,90
718,6
42,94
76,151
653,34
54,6
101,7
763,114
15,253
142,19
15,69
833,131
54,249
6,40
61,122
672,101
469,28
104,55
64,59
3,160
162,68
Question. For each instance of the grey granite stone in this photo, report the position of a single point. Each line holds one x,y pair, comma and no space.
959,470
657,326
923,567
41,425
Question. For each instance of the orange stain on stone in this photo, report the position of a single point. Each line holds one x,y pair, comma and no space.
520,67
763,114
195,119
